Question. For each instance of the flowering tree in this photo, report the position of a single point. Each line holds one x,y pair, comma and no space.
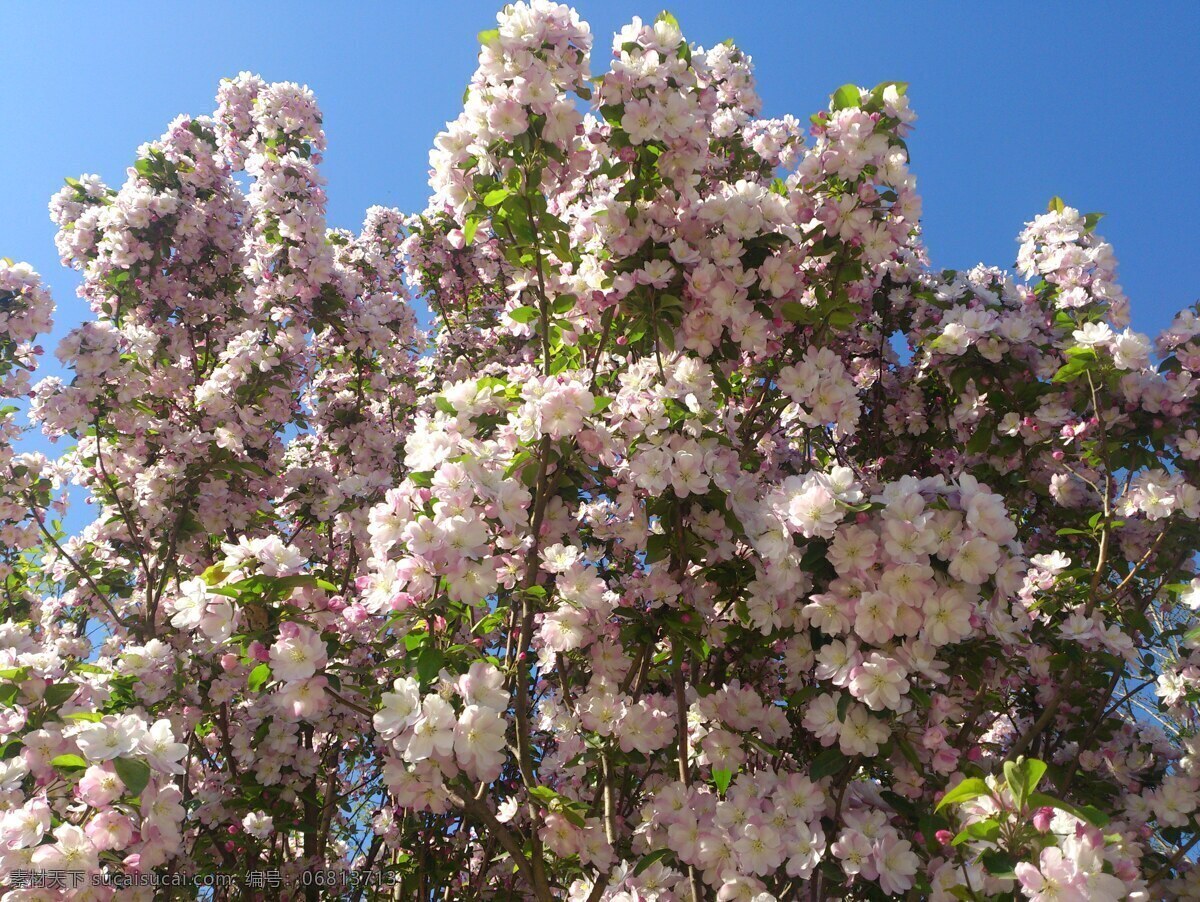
655,571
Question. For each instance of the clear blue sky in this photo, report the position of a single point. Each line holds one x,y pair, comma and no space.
1018,101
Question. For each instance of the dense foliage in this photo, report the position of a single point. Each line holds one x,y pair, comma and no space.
709,545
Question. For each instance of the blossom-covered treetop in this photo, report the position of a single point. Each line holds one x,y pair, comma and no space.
709,545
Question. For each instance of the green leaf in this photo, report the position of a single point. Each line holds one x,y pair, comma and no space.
1023,777
572,811
900,86
1192,637
1056,204
1091,220
909,752
802,697
665,16
999,864
649,859
986,831
68,762
1014,777
415,639
658,547
1073,369
968,789
495,197
841,319
134,773
613,113
1087,813
492,621
489,35
523,314
846,97
928,826
259,677
826,764
444,406
843,706
469,229
8,694
799,313
429,663
721,779
574,816
1092,815
981,438
518,463
58,693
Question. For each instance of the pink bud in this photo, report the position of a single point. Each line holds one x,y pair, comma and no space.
289,630
1042,818
944,837
229,662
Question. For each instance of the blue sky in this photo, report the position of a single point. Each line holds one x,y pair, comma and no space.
1017,102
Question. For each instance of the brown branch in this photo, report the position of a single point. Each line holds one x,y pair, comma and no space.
480,812
75,565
